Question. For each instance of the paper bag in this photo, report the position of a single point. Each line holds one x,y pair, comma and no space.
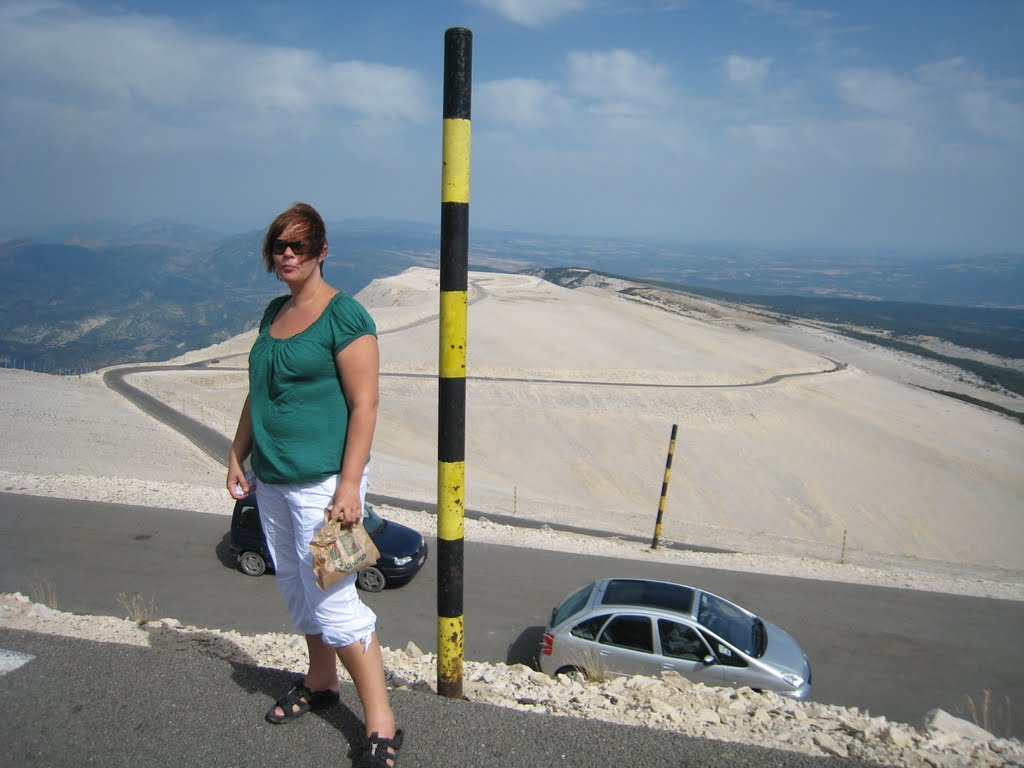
339,551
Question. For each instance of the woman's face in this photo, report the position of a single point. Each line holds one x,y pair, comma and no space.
294,262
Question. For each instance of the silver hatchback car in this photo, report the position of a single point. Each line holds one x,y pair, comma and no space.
643,627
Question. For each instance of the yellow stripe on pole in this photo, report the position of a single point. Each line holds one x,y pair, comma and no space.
455,168
449,647
453,334
451,493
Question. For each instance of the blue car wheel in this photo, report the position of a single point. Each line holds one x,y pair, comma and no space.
252,563
371,579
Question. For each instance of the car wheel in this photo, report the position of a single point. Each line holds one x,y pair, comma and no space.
569,671
252,563
371,579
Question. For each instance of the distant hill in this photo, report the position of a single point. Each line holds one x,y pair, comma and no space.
95,294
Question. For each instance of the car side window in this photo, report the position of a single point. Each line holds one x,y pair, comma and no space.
724,653
588,629
680,641
633,632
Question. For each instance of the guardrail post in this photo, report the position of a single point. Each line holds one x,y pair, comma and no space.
664,487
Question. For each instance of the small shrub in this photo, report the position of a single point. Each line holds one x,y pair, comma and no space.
591,665
996,717
41,589
138,609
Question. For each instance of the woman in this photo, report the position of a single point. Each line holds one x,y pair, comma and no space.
308,423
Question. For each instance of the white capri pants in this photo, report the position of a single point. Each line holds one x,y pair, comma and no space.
291,514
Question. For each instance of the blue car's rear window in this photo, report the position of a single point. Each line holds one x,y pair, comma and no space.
672,597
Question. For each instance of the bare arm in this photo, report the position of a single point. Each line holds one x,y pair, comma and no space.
359,368
241,447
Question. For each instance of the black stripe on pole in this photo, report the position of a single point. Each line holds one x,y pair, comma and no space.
451,422
449,585
458,68
455,246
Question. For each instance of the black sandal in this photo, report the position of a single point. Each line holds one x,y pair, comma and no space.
300,700
380,752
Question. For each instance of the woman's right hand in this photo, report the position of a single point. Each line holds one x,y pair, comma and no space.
237,484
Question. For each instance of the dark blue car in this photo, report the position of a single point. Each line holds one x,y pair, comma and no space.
403,551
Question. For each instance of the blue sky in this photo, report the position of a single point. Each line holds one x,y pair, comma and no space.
896,124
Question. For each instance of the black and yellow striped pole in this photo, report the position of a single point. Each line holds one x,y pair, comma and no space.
664,487
451,416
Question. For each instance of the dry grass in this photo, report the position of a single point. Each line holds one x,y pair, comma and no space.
995,716
138,609
590,664
41,589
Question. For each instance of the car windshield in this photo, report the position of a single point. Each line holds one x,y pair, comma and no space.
732,624
372,522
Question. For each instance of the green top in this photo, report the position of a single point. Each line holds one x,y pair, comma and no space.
298,408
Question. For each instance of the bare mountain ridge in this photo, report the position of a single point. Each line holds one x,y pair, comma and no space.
986,344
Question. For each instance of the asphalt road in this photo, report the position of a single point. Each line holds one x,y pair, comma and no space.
889,651
74,702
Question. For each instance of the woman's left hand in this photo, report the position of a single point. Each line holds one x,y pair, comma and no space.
346,506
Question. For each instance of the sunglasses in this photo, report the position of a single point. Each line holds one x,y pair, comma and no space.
299,247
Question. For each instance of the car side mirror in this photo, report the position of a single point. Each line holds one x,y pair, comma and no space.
708,660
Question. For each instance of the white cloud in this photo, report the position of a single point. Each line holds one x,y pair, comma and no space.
880,92
942,117
618,78
531,13
519,102
765,138
940,98
991,108
745,71
870,143
954,74
611,103
149,71
995,118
